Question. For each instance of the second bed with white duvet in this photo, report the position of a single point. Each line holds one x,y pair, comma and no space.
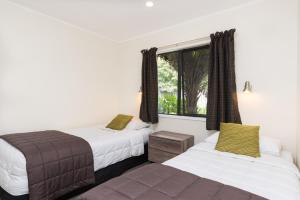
108,147
272,177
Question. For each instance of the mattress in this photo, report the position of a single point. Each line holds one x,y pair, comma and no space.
108,147
271,177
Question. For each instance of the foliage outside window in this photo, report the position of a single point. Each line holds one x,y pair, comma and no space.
182,82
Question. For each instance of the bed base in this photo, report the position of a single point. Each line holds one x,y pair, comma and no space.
101,176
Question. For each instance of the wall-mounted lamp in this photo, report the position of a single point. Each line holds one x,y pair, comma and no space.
247,87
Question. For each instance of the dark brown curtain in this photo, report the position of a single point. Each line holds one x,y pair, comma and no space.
149,105
222,104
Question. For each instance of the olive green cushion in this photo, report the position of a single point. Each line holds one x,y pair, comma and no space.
239,139
119,122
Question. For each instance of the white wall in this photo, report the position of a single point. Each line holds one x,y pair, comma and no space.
266,55
52,75
298,139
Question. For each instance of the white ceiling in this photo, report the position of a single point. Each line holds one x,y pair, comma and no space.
121,20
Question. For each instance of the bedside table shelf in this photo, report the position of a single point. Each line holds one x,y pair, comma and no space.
164,145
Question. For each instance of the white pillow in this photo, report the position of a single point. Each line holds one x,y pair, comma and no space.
270,145
267,145
136,124
213,138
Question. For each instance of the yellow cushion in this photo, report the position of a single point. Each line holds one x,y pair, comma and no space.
119,122
239,139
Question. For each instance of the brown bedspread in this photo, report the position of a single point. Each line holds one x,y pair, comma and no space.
159,182
57,163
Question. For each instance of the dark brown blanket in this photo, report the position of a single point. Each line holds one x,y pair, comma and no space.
159,182
57,163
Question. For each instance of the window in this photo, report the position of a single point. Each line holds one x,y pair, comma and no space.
182,82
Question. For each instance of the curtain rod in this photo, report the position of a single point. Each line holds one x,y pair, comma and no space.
184,43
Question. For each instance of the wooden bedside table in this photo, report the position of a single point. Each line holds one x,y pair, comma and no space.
164,145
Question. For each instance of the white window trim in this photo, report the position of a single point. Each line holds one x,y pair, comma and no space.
184,45
189,118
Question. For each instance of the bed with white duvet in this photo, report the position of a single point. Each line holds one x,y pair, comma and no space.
274,177
108,147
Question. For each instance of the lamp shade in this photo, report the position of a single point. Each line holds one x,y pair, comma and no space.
247,87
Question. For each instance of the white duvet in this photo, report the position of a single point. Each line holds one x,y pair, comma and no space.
108,147
269,176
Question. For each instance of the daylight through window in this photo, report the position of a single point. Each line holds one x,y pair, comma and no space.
182,82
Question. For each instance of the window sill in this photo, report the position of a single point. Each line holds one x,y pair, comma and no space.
203,119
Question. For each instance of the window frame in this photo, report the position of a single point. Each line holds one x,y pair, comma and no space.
179,84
